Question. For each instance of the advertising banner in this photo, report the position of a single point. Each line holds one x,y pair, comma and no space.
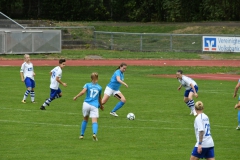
221,44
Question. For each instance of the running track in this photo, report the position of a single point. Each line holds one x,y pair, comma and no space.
219,63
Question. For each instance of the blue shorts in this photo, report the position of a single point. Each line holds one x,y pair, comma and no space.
54,92
29,82
206,152
190,90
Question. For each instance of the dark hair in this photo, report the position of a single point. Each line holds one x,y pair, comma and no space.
61,61
180,71
121,65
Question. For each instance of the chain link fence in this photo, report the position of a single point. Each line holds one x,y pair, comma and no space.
150,42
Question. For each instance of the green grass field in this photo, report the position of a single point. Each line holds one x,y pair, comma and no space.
163,128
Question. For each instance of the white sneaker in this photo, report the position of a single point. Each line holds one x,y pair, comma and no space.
194,113
114,114
191,113
238,128
94,138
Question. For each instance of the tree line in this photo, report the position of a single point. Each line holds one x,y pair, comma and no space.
123,10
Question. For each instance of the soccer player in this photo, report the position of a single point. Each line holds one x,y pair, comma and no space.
204,148
55,91
27,75
238,104
113,88
90,105
191,89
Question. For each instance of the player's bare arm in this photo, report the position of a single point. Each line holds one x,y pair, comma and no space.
236,90
80,93
120,81
200,141
100,102
22,78
194,91
62,83
179,87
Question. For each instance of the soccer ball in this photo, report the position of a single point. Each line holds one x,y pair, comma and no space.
130,116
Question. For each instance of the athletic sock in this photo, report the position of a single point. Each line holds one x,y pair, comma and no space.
47,102
26,94
32,93
190,104
57,96
95,128
83,127
238,117
118,106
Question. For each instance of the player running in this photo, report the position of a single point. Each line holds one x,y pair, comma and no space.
191,89
237,106
55,91
113,88
204,148
27,75
90,105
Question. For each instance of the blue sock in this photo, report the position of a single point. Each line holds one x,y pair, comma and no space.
83,127
118,106
238,117
95,128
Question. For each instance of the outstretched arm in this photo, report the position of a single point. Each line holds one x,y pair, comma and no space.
80,94
120,81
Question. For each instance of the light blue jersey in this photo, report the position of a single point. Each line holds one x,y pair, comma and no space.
93,93
239,95
114,84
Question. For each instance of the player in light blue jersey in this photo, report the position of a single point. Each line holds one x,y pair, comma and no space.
27,75
90,105
55,79
204,147
237,106
191,88
113,88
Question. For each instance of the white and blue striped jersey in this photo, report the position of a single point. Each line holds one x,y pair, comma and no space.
27,69
114,84
93,93
186,81
202,123
56,72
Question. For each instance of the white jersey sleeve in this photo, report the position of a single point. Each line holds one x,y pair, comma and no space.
27,70
56,72
186,81
202,123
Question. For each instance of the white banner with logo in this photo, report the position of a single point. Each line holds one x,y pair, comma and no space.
221,44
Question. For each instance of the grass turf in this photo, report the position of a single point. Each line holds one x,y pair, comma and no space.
162,129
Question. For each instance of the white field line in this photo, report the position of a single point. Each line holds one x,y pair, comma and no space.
130,127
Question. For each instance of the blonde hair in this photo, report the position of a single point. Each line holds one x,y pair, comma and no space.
94,76
199,105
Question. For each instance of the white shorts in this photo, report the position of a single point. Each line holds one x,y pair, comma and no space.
89,110
108,91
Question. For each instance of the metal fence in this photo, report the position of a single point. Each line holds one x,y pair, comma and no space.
153,42
16,39
30,41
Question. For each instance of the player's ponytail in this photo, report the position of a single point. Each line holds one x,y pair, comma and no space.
94,77
121,65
